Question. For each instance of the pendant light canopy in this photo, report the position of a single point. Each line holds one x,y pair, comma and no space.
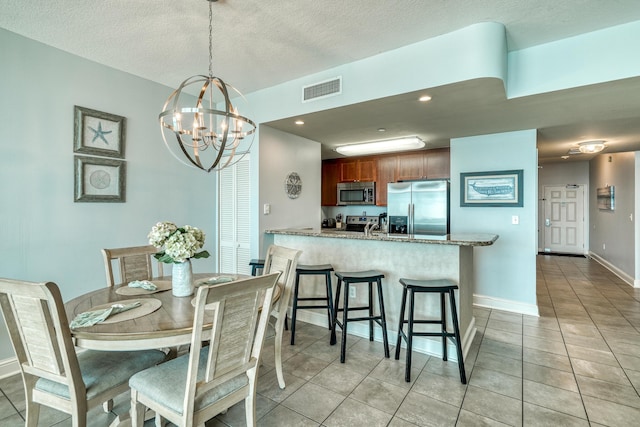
211,134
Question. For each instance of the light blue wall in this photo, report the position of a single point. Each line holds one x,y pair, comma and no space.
45,235
505,273
597,57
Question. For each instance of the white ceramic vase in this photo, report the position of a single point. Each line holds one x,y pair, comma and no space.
182,279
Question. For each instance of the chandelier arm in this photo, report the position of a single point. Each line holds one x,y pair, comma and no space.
195,162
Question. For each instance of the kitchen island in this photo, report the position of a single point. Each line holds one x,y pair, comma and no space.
397,256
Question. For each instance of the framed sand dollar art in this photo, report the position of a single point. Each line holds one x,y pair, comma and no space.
99,180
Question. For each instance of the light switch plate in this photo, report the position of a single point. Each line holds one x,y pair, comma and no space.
266,209
515,219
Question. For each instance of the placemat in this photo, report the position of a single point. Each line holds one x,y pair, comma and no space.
162,285
276,296
147,306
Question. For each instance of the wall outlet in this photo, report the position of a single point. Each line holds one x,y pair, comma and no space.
515,219
352,292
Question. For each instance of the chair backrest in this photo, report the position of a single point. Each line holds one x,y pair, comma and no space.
39,331
240,316
135,263
284,260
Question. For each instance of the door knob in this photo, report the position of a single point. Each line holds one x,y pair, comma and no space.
547,222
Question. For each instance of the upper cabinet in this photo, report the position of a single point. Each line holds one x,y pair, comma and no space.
387,170
354,170
383,169
430,164
329,188
438,164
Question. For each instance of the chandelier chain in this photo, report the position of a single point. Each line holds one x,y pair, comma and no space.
210,40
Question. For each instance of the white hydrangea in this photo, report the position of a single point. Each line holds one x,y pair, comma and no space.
179,243
160,232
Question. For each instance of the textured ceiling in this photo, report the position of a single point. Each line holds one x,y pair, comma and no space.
263,43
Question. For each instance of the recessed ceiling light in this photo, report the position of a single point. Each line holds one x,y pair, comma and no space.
382,130
385,146
564,157
424,98
299,122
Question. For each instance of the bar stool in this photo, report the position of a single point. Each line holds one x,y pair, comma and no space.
370,277
255,265
443,287
308,270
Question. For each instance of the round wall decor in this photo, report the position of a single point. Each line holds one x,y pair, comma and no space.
293,185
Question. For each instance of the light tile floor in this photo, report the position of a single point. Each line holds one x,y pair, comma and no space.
578,364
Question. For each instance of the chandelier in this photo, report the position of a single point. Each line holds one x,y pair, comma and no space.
212,134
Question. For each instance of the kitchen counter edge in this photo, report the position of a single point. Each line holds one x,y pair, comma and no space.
459,239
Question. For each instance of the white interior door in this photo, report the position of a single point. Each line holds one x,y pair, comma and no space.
234,213
564,219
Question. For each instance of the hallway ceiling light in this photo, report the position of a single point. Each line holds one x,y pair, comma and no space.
214,128
590,147
385,146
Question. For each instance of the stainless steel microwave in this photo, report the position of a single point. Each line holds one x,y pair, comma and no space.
356,193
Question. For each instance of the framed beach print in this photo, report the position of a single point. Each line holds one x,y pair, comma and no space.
99,180
98,133
500,188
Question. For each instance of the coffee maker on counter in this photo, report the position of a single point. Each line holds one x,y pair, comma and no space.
329,223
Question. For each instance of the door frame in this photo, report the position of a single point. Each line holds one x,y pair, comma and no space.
585,213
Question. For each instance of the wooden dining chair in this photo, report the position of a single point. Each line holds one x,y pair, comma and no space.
197,386
135,263
284,260
52,373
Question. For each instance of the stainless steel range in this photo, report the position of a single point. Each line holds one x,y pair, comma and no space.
357,223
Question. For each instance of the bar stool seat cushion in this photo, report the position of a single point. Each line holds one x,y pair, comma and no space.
359,276
433,285
310,269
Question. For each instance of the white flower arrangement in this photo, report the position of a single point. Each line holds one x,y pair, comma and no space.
178,244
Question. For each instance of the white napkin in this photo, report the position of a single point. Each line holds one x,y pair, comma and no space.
144,284
90,318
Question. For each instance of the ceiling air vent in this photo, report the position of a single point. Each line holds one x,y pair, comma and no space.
322,89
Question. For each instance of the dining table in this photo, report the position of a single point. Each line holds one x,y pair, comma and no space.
169,325
163,321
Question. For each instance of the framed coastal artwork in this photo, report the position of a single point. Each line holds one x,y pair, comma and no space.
99,180
497,188
97,133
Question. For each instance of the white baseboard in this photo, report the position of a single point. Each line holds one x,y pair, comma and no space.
9,367
615,270
505,305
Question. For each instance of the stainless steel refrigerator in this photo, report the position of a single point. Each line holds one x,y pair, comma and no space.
418,207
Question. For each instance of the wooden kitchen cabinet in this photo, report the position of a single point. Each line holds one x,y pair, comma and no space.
412,166
329,187
430,164
354,170
438,164
387,167
383,169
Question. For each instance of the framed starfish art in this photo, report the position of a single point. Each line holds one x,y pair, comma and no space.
98,133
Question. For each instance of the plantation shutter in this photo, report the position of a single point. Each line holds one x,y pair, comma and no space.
234,218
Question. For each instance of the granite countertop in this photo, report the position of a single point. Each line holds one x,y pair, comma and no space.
460,239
